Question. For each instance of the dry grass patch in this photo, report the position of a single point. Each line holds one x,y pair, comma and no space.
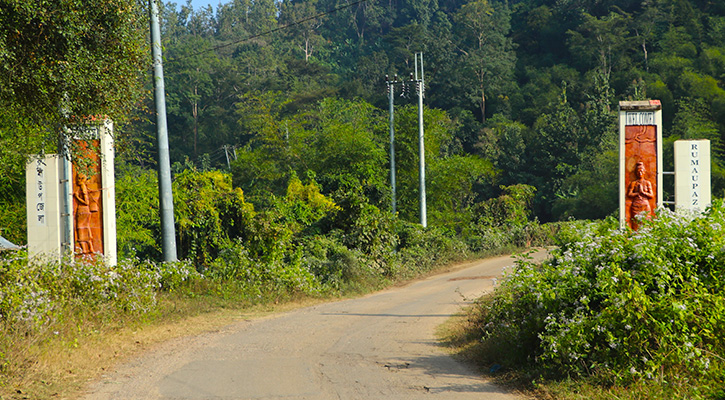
50,365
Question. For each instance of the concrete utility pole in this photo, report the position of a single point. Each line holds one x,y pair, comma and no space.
166,198
421,145
66,181
391,94
418,79
66,173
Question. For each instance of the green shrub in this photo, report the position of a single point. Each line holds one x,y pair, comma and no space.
365,228
36,293
618,304
208,212
138,225
284,273
421,249
304,204
333,263
13,226
173,276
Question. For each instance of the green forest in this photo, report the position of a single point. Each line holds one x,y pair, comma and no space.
519,92
515,92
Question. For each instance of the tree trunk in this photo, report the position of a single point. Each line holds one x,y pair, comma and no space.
646,60
195,114
483,105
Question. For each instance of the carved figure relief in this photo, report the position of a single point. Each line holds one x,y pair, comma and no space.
640,193
87,207
641,171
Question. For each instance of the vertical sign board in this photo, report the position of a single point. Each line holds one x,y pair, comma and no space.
43,206
692,175
108,196
640,160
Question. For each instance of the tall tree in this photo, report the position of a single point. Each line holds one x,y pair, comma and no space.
303,26
558,153
600,43
61,61
71,58
190,84
262,16
487,58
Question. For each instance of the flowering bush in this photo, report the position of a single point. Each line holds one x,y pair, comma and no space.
619,304
34,292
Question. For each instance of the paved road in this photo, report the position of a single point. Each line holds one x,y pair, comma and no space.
381,346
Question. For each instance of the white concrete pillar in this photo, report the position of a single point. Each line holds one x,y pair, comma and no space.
43,205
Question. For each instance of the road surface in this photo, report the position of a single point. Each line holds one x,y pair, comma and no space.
381,346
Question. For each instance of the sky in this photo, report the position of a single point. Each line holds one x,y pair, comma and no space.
197,4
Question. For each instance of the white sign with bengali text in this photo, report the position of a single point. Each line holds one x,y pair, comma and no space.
43,205
640,118
39,198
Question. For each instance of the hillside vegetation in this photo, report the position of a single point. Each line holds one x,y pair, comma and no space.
516,92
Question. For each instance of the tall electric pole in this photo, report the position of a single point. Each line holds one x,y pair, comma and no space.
420,80
391,95
166,198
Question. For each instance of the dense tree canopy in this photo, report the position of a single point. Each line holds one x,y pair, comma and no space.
516,92
529,86
70,57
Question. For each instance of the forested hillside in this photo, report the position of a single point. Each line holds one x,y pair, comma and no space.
521,91
516,92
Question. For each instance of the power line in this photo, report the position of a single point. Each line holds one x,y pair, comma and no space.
291,24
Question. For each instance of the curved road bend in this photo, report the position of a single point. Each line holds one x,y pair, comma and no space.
381,346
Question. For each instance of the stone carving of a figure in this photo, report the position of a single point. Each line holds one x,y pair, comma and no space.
640,191
85,205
